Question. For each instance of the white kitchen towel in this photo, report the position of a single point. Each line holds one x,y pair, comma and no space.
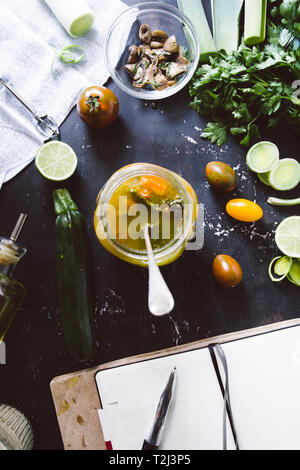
29,35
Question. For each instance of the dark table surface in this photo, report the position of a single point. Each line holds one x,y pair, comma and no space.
169,136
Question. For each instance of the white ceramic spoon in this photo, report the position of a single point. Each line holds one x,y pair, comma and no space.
160,299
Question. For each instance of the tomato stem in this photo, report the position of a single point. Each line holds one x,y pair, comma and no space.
93,102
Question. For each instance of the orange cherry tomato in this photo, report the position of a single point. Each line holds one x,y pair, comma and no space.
153,184
97,106
227,271
244,210
157,185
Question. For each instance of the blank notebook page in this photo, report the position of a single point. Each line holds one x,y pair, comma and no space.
130,395
264,375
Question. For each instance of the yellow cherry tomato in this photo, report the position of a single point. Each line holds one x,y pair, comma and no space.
244,210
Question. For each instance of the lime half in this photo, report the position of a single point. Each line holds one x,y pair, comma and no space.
262,157
285,175
56,161
287,237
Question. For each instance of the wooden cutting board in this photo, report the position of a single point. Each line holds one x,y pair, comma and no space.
76,398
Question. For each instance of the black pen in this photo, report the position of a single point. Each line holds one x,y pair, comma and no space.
161,415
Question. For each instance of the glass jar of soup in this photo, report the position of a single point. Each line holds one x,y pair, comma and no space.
140,194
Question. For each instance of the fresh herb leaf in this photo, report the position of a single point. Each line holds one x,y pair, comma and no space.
252,132
216,132
238,130
290,13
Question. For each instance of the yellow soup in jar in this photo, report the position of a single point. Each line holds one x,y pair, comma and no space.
141,200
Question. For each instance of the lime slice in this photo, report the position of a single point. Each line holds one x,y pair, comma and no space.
287,237
56,161
264,178
285,175
262,157
294,273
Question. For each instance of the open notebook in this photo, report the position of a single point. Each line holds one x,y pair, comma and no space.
264,383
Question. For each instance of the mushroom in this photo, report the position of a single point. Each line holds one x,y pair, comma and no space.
145,33
141,75
141,69
142,49
174,69
139,78
149,54
138,83
171,45
133,54
181,59
157,61
156,78
159,35
131,69
156,45
161,54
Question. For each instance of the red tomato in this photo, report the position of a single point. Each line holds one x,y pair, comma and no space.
227,271
98,106
244,210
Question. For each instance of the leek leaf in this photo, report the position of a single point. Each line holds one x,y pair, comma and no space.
67,56
255,21
281,268
194,10
283,202
226,23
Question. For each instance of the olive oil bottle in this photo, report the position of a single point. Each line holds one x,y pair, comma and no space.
11,291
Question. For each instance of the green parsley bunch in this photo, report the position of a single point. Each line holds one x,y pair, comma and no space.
252,88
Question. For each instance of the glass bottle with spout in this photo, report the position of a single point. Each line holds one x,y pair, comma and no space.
11,291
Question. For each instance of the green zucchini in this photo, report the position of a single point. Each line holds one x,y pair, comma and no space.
73,276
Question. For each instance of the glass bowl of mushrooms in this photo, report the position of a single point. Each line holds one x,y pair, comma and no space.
152,50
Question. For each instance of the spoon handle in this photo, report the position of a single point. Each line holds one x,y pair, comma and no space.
160,299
